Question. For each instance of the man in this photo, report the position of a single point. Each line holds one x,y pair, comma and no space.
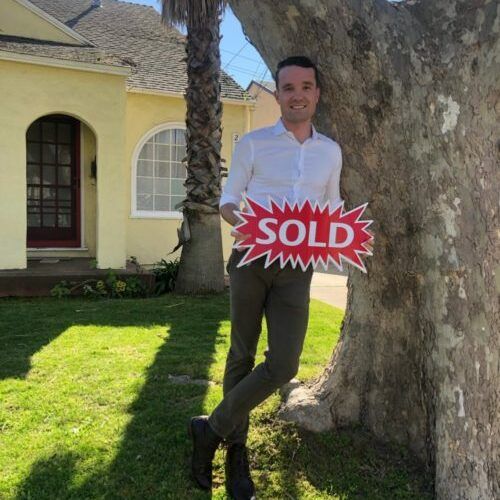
289,160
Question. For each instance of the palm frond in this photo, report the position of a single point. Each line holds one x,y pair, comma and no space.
190,12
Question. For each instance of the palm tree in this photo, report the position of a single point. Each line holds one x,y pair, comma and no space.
201,266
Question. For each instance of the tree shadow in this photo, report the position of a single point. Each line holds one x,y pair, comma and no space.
152,460
22,334
158,430
348,464
50,477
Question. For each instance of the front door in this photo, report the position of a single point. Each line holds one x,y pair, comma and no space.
53,182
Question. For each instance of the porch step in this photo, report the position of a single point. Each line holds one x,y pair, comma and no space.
42,275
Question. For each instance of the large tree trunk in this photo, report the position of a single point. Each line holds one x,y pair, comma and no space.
410,91
202,267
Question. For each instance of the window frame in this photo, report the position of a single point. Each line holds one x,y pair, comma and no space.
150,214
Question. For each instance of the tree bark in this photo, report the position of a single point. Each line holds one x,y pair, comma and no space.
202,267
410,91
200,257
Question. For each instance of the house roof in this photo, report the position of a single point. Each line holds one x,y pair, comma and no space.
269,86
122,34
56,50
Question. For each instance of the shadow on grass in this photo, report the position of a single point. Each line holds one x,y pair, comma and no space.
153,457
51,476
153,461
22,335
349,464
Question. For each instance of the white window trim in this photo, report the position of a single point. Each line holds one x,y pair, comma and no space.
149,214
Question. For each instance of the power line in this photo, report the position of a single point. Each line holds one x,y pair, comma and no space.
249,72
260,87
266,70
256,71
235,55
241,57
246,71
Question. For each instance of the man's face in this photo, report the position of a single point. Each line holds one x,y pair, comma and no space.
297,93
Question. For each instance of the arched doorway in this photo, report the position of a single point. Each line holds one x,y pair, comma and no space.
53,182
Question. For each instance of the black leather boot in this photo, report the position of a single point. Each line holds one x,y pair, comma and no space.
205,442
239,483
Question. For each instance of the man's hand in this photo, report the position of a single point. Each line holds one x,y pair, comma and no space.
239,237
227,212
369,244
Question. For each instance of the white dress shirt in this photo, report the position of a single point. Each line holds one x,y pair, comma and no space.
271,162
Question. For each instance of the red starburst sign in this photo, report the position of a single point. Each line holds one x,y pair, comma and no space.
304,234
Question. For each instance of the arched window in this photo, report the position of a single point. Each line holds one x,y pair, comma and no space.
159,174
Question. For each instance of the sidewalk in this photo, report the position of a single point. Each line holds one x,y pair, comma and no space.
330,288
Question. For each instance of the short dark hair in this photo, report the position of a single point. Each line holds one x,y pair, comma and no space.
302,61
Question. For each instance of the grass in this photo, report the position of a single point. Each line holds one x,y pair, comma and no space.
88,409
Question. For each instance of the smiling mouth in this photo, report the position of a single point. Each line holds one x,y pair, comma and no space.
303,106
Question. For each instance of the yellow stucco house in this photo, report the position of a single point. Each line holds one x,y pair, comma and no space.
92,131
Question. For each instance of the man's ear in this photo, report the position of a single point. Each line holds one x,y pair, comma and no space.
276,96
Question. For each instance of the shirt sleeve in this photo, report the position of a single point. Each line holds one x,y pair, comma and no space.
239,173
333,186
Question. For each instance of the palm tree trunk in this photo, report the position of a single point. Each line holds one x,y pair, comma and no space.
201,267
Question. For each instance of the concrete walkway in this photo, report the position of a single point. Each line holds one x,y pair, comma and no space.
330,288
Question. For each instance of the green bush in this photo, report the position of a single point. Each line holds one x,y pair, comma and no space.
62,289
165,275
110,287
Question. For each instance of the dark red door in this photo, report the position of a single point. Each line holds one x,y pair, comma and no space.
53,177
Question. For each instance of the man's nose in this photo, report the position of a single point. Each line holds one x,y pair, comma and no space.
298,94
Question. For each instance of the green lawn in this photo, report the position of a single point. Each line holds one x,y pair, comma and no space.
88,410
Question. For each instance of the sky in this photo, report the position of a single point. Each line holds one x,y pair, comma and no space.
238,57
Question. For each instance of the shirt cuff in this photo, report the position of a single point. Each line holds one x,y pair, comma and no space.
227,198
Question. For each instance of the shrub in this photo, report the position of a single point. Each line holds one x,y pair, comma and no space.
165,275
62,289
109,287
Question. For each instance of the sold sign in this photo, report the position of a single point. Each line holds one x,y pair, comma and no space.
304,234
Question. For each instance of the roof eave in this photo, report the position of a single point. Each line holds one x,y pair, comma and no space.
64,63
55,22
263,87
180,95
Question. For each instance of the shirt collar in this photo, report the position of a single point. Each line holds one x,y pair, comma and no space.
279,128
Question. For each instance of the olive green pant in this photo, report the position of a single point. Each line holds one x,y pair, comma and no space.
282,295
